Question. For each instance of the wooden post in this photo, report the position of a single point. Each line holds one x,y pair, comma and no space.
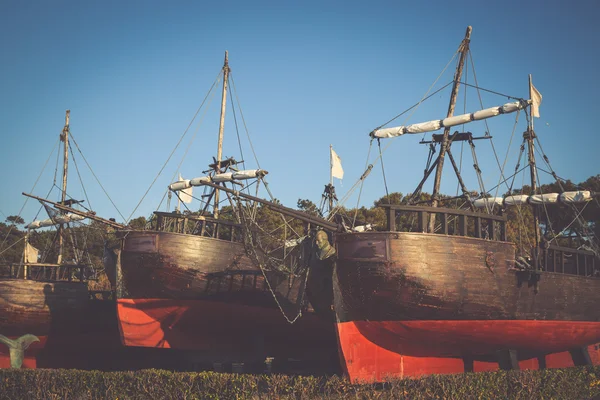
541,362
468,364
478,232
464,49
391,219
422,216
580,356
507,359
462,225
444,221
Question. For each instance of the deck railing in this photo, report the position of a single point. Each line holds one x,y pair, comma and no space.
566,260
43,272
197,225
448,221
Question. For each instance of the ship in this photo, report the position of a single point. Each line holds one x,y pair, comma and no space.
224,284
441,289
49,317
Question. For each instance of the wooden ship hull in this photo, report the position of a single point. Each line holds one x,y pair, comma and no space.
38,308
409,304
75,329
204,294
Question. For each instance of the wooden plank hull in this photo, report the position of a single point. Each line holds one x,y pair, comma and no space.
436,300
35,307
190,292
74,331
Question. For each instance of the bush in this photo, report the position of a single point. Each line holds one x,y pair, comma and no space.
571,383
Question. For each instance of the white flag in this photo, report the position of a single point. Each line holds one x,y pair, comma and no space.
536,100
336,165
185,195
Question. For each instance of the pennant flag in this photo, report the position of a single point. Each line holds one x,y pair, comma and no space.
336,165
185,195
536,101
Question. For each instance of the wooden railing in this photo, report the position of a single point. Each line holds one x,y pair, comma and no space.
43,272
448,221
197,225
566,260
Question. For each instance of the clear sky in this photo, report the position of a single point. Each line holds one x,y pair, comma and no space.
308,74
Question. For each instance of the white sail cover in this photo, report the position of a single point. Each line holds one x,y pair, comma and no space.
548,198
488,202
576,197
435,125
223,177
516,200
56,220
579,196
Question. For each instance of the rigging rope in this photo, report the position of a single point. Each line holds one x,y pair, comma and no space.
31,191
94,175
173,151
362,183
80,180
245,126
383,171
582,224
415,107
211,93
252,242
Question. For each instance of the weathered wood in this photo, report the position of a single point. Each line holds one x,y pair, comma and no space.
581,356
508,360
439,210
28,306
176,266
468,364
464,49
404,276
541,362
89,214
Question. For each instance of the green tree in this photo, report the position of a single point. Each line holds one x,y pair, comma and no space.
15,220
138,223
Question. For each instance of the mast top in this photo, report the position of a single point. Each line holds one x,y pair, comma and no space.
226,63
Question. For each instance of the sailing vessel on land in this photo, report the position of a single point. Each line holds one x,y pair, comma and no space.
222,283
47,318
442,290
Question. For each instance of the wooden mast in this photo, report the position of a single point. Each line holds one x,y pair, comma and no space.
464,49
221,127
529,135
64,137
330,194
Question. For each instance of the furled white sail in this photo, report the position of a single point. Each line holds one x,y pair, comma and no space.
576,197
56,220
223,177
431,126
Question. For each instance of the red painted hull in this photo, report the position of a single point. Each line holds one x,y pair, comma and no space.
375,351
227,330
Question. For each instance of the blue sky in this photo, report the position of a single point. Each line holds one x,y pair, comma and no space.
308,74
